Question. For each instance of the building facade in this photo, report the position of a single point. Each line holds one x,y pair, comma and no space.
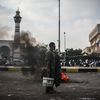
87,50
94,38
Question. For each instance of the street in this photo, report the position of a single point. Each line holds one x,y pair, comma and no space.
16,86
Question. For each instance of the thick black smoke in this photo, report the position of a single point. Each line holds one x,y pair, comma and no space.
34,53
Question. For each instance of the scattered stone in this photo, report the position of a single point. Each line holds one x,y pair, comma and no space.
85,98
9,95
52,99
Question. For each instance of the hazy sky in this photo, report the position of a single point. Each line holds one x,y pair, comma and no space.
40,17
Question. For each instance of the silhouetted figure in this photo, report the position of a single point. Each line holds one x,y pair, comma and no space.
53,67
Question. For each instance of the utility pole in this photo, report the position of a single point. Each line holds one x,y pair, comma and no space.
64,40
59,27
65,48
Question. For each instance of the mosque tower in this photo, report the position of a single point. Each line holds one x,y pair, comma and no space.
17,19
16,43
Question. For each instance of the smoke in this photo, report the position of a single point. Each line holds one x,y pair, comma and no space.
34,52
27,38
4,32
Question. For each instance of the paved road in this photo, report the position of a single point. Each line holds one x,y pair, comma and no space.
16,86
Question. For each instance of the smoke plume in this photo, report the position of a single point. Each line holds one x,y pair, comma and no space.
26,36
4,32
35,53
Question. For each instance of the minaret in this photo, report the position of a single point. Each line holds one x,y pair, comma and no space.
16,44
17,19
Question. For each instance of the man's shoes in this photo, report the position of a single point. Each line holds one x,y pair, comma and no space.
47,89
53,90
50,90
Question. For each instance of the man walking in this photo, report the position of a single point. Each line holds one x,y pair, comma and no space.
51,66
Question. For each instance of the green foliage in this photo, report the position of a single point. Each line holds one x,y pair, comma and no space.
94,56
76,54
71,52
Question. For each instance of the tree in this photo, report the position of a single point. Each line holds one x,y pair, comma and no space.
73,53
94,56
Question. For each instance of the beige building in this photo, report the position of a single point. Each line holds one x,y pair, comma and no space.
94,38
87,50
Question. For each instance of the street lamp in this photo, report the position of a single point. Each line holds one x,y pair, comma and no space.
59,26
65,48
64,40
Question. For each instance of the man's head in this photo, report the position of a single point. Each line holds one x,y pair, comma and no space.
52,46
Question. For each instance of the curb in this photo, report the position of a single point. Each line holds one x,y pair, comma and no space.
64,68
80,69
15,68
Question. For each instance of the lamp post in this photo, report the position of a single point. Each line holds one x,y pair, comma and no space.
59,26
65,48
64,40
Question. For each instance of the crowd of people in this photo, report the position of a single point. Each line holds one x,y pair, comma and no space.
82,63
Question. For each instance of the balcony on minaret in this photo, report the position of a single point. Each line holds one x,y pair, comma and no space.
17,20
17,17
